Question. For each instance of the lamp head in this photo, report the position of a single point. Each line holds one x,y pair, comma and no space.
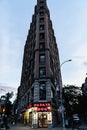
70,60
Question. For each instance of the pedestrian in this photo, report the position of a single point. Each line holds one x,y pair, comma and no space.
5,122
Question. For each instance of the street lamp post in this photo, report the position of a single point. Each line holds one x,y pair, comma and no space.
61,99
65,62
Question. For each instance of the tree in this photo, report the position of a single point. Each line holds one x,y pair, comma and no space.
82,105
7,103
70,95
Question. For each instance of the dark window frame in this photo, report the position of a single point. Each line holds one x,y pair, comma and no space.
41,7
41,27
41,45
42,72
42,58
41,13
42,19
42,36
42,91
42,2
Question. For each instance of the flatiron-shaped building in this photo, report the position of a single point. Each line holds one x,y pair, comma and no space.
37,100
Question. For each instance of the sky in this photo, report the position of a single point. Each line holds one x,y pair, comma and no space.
69,19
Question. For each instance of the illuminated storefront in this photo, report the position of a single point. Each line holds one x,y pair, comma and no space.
38,115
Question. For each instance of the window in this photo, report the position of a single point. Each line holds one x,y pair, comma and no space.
42,58
41,27
25,99
41,7
41,13
42,36
42,45
41,2
41,19
32,94
28,95
42,91
42,72
51,94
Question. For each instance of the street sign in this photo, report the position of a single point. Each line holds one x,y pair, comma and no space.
61,108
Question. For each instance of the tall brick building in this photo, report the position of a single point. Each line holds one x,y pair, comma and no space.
37,100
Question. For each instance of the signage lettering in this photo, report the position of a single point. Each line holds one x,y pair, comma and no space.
42,105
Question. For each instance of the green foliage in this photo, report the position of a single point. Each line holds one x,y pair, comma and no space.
7,97
7,103
71,101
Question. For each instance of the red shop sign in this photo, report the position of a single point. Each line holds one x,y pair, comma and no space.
42,109
42,105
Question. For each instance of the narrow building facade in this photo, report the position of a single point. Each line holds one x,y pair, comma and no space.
84,86
37,99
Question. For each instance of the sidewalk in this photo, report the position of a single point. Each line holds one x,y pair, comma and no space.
22,127
60,128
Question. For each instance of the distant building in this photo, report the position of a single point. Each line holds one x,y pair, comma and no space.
84,87
2,108
37,102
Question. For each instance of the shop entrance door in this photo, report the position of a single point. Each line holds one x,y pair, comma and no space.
42,119
30,118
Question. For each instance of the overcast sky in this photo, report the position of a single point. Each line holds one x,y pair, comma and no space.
69,19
